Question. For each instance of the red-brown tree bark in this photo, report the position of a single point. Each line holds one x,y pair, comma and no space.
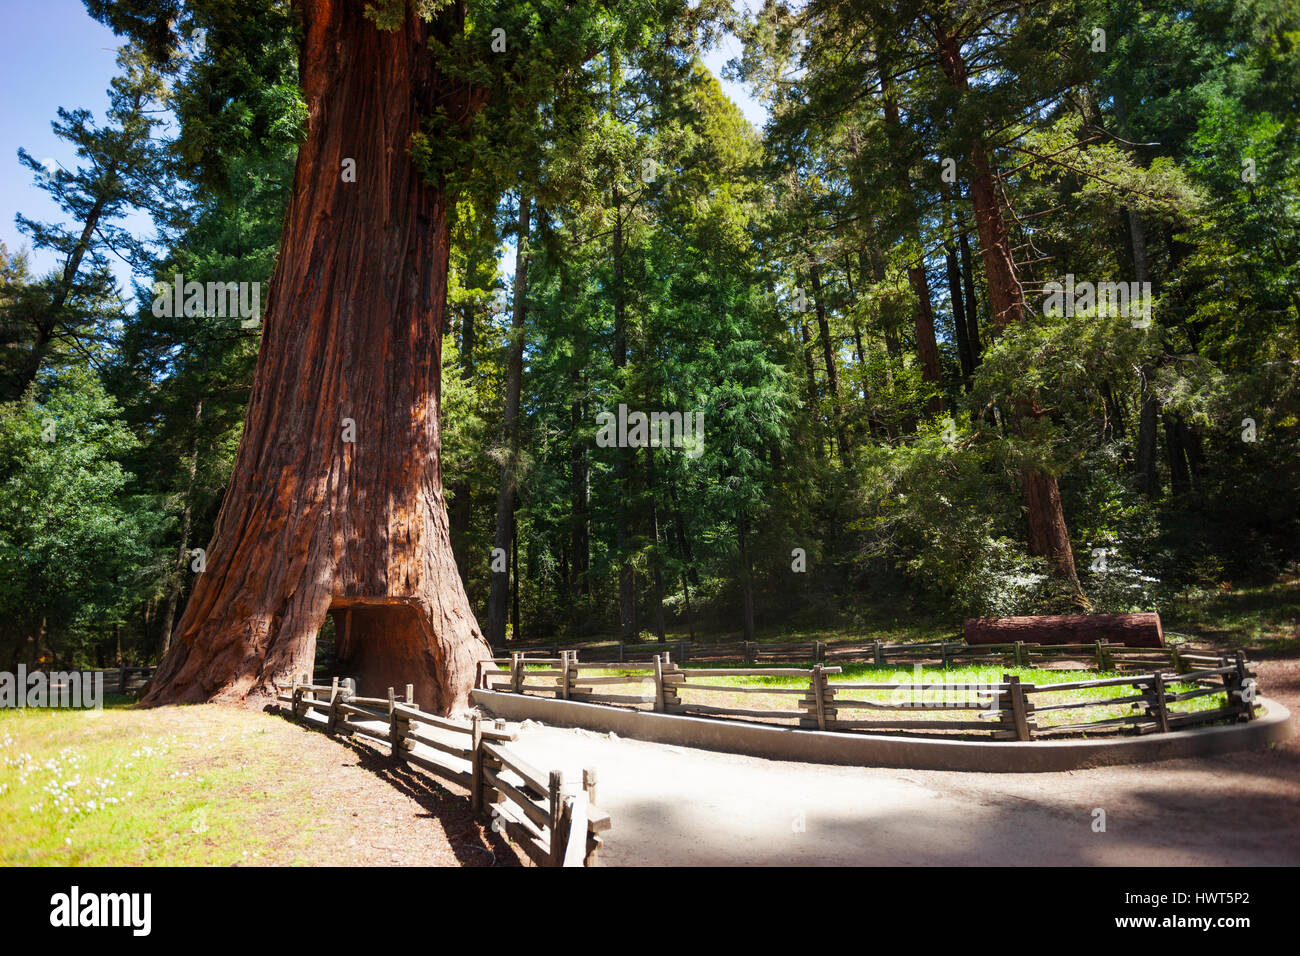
312,524
1049,537
1133,630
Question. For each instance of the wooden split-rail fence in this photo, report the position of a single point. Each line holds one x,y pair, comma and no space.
1106,655
554,827
1005,710
128,680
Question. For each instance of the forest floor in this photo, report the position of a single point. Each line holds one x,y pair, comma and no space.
1262,616
683,806
218,785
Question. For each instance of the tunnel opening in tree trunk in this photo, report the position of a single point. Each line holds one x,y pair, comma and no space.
385,644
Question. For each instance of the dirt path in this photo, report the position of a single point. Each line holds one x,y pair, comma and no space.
372,812
680,806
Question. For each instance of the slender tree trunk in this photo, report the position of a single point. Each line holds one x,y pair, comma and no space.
182,556
1048,534
1148,474
44,332
516,626
972,303
499,592
683,539
955,293
461,506
746,576
623,457
579,496
1114,429
1195,451
1180,474
828,356
959,316
877,260
810,369
861,353
312,522
927,350
690,615
805,342
656,556
624,461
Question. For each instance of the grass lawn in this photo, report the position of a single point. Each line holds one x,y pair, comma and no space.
171,786
903,674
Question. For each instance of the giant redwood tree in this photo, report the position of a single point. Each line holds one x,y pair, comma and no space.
335,506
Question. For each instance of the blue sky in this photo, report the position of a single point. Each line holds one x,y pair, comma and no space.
53,54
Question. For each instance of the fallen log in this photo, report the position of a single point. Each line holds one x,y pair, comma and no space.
1133,630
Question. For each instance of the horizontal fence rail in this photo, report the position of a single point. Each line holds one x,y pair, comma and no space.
552,826
117,680
1107,655
128,680
1005,710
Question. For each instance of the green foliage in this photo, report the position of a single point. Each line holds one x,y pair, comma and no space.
73,543
671,246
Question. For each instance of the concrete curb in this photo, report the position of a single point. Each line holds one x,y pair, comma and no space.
815,746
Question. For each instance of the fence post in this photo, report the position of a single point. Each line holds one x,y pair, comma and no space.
557,812
817,680
1019,711
683,649
1019,653
620,652
486,760
302,692
1177,659
398,727
1241,687
516,672
659,684
563,682
670,699
878,653
347,690
121,680
332,722
1161,712
593,842
476,760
